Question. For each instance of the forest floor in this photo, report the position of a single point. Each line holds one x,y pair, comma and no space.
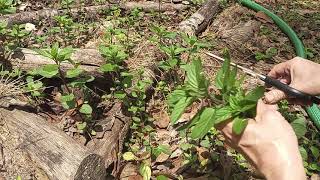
253,40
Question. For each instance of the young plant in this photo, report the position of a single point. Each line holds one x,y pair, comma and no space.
230,103
7,7
68,100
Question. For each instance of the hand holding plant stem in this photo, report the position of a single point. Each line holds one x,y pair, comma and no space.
269,143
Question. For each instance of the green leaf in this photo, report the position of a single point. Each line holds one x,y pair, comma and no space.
81,81
175,96
315,152
145,171
165,149
197,84
82,126
72,73
54,50
239,124
68,101
49,70
162,177
108,67
222,77
303,153
162,149
129,156
68,97
204,124
192,122
205,143
179,108
86,109
299,126
255,94
223,114
120,94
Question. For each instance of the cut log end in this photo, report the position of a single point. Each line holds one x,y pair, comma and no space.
92,167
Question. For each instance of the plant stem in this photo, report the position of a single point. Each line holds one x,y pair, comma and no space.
62,77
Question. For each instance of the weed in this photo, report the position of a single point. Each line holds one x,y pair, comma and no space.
231,102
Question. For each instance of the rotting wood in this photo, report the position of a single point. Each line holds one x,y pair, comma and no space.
35,16
57,154
200,20
115,126
89,59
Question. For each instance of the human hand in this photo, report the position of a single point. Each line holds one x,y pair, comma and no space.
300,74
268,143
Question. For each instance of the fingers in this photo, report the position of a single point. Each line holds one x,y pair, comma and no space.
274,96
280,70
263,107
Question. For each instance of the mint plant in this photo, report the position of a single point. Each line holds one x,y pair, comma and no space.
7,7
230,103
75,75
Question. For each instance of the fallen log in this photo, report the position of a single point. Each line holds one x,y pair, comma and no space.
114,127
89,59
57,154
200,20
35,16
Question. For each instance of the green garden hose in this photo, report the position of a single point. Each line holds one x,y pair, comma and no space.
313,111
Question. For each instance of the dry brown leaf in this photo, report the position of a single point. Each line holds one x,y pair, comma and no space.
162,157
162,119
203,153
261,16
129,171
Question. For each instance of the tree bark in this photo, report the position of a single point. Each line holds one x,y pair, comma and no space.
115,128
200,20
35,16
56,153
89,59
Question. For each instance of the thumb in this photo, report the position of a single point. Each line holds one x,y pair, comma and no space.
274,96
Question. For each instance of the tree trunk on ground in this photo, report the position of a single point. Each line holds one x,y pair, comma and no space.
115,127
200,20
55,152
35,16
89,59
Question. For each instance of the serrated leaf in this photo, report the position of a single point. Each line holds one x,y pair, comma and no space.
128,156
239,124
223,114
255,94
179,108
299,126
175,96
49,70
204,124
86,109
197,84
72,73
315,152
303,153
